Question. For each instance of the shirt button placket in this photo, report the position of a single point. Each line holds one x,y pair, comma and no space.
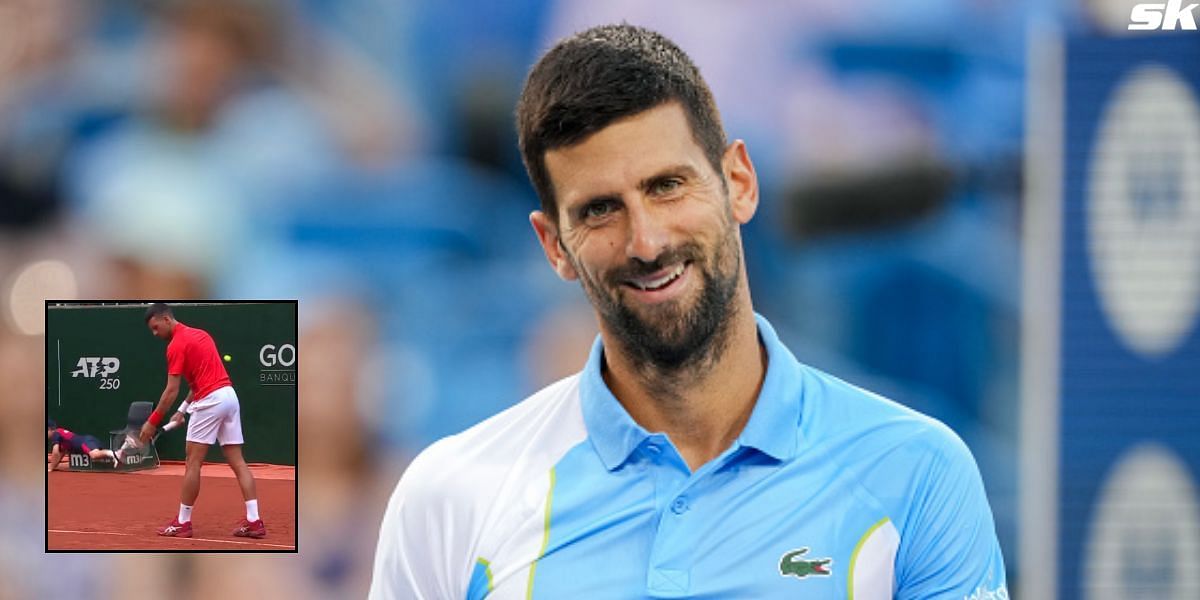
668,573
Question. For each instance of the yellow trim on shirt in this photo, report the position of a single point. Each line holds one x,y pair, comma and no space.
854,556
545,537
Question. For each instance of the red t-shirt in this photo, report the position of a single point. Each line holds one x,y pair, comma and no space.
193,354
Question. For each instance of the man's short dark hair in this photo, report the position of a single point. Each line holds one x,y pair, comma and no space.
597,76
158,309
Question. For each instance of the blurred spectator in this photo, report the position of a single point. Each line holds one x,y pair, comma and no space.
233,122
35,41
22,515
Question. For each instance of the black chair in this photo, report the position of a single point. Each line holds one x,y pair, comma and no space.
138,413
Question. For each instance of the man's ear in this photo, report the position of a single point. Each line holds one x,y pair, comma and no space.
743,181
547,234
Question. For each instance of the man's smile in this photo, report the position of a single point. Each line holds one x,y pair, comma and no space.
661,285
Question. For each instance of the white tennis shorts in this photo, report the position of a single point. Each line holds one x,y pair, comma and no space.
216,417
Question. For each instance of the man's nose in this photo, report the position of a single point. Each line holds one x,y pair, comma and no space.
648,235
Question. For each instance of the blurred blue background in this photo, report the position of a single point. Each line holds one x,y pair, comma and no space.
360,155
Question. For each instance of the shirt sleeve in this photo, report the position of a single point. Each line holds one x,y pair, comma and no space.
949,547
421,554
175,358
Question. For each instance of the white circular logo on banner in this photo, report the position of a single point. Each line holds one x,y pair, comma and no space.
1143,210
1144,538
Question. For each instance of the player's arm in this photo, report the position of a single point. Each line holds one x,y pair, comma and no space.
55,456
169,394
951,550
178,418
186,401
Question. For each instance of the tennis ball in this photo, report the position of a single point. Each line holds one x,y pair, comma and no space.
228,358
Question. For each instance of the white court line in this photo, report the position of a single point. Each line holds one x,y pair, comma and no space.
182,538
94,532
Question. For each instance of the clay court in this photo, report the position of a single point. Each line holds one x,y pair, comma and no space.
121,511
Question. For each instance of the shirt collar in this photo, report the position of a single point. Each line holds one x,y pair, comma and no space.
773,427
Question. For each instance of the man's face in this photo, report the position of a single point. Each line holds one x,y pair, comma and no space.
647,226
160,326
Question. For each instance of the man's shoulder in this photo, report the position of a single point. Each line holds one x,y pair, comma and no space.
523,441
181,336
896,454
185,333
873,425
195,334
479,493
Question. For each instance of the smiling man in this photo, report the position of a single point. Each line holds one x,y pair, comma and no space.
693,456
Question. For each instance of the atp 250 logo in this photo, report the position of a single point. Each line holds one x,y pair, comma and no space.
90,367
1151,16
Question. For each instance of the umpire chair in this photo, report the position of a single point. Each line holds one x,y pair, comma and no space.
135,459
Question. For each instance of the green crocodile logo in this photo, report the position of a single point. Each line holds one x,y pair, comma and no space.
792,564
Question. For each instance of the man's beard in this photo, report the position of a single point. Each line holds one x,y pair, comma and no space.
675,335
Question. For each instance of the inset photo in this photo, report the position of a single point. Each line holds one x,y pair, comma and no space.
171,426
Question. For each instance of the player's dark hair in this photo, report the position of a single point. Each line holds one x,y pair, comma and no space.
50,424
158,309
597,76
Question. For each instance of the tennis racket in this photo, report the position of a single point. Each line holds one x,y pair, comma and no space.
168,427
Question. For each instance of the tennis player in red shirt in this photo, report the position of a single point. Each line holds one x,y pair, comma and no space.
216,417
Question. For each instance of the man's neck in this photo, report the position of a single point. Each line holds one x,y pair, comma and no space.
704,407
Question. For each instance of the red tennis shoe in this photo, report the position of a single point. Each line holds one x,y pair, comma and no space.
251,530
177,529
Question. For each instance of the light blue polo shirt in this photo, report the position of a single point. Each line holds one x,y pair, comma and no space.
829,492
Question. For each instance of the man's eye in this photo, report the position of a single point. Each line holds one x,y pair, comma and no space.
666,186
597,210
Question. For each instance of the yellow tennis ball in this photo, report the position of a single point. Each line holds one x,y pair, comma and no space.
228,358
